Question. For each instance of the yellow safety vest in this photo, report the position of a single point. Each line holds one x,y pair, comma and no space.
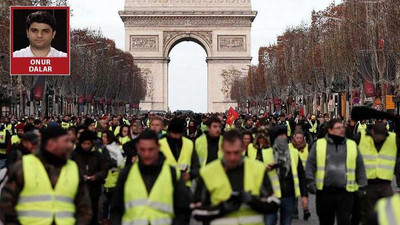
203,127
123,140
201,145
156,207
230,127
116,131
379,165
289,130
3,135
64,125
185,157
388,210
351,159
15,139
39,203
273,175
219,186
361,127
252,151
303,155
9,128
314,127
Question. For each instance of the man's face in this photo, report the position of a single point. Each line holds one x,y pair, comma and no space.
115,121
103,123
175,136
338,130
148,151
60,147
20,132
249,122
87,145
136,127
40,35
232,153
156,126
214,130
92,127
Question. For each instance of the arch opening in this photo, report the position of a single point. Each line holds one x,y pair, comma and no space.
187,76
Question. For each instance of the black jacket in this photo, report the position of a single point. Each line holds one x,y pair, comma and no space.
150,175
91,163
16,153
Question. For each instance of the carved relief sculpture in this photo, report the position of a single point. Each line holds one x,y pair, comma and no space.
144,42
231,43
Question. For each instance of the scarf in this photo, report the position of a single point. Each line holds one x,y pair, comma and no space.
282,156
300,146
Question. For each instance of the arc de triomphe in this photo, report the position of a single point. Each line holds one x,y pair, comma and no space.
221,27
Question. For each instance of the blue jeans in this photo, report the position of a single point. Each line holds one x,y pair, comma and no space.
286,211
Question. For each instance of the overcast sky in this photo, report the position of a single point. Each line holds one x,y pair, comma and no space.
188,69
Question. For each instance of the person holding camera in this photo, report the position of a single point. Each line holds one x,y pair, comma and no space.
286,172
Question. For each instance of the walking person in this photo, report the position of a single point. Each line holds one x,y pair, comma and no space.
150,191
92,166
335,172
46,187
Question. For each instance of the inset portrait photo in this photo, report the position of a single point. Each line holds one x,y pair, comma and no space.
39,41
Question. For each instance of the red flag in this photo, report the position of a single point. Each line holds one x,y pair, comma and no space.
232,116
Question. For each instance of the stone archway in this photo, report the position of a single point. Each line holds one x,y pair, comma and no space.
154,27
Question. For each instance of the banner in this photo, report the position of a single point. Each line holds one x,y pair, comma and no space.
232,116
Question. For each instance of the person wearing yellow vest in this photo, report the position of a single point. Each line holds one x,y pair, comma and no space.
379,149
361,126
286,123
150,191
29,144
335,172
102,125
115,126
46,187
233,189
124,135
16,139
157,125
208,145
179,151
260,144
387,211
299,143
287,176
5,138
247,140
110,142
313,125
203,126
